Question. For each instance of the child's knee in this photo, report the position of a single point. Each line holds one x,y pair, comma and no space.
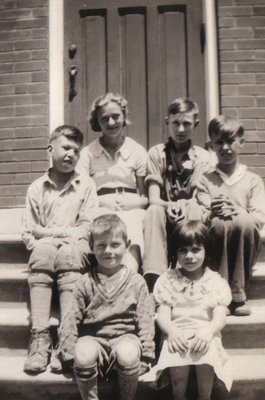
128,354
39,279
43,257
66,281
69,258
86,353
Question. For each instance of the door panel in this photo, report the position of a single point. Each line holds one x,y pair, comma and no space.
148,50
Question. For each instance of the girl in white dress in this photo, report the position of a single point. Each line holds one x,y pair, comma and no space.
192,302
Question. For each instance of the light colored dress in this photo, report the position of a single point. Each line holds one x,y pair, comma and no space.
192,304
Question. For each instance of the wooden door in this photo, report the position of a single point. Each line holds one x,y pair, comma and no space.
147,50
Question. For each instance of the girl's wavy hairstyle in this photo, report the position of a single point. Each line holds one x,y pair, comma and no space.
188,234
100,102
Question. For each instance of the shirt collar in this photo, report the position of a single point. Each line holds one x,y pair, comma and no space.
73,181
125,150
235,177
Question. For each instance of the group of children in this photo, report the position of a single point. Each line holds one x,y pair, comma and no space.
168,214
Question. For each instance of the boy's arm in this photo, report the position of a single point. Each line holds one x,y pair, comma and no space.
204,198
257,201
83,164
145,322
86,213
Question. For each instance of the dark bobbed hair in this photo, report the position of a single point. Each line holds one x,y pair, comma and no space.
70,132
107,223
182,104
100,102
224,126
188,234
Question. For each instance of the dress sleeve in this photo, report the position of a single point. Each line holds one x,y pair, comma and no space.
163,292
222,292
83,165
155,166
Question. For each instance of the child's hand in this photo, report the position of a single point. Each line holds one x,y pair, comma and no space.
177,342
201,341
175,213
144,367
223,207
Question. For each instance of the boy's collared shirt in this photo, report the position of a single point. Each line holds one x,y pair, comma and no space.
196,159
71,207
129,162
244,188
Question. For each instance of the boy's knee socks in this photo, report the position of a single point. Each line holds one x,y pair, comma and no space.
128,381
66,283
86,379
40,285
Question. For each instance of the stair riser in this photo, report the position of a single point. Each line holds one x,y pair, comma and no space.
256,290
17,291
13,253
244,336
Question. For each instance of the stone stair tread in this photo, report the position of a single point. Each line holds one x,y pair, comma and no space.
257,316
248,366
10,238
13,273
17,314
258,272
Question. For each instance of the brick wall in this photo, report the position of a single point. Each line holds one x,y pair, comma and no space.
23,96
242,72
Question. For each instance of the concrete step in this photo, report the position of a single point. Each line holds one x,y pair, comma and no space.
13,250
256,288
249,381
240,332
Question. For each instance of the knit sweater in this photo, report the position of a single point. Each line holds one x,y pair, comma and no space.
97,312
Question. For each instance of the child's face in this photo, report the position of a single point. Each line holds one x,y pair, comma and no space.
109,249
111,120
227,148
191,258
65,154
180,126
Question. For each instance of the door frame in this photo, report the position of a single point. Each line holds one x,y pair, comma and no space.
57,70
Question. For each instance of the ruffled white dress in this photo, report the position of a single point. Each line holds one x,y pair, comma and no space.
192,304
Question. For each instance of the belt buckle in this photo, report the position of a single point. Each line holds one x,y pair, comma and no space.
120,190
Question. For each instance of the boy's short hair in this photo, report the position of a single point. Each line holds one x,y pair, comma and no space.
181,105
223,126
188,233
107,223
70,132
102,101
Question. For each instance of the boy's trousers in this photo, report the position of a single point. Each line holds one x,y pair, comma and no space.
236,245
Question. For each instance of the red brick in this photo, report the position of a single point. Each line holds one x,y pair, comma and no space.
249,148
233,78
24,24
30,44
229,44
251,112
5,68
7,201
240,101
40,98
227,67
7,179
31,66
251,89
244,2
230,33
241,55
31,110
226,22
39,54
255,136
253,159
260,101
235,11
31,3
40,76
15,78
31,88
16,34
15,14
37,131
7,89
6,156
251,44
30,155
259,32
23,121
231,112
261,148
40,12
261,126
19,201
228,90
260,171
7,133
253,21
258,10
251,66
18,190
15,99
6,111
35,143
15,56
26,178
249,124
39,166
15,167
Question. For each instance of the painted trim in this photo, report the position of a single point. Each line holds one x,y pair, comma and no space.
211,60
56,64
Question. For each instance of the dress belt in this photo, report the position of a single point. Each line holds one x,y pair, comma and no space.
103,191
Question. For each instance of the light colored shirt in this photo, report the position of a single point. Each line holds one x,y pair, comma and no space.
71,207
244,188
195,158
129,162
